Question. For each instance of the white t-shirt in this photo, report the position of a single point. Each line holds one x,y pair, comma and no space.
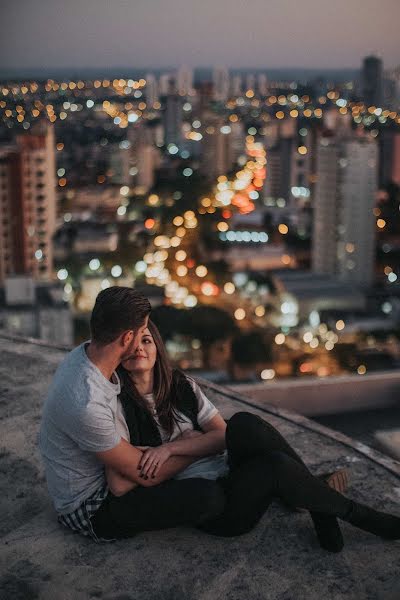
208,467
78,420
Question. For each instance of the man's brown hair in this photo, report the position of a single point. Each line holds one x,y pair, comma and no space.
117,309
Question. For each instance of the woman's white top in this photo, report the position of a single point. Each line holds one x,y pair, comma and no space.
208,467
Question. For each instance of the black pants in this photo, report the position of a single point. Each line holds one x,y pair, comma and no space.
262,465
173,503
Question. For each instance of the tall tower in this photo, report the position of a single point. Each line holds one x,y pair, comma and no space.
372,81
236,86
28,205
262,84
279,169
389,157
250,81
221,84
165,84
344,224
151,90
148,160
184,80
218,155
172,120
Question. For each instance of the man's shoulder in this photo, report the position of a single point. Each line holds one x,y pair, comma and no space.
72,366
72,376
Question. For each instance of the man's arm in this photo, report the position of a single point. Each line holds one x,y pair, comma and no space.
211,442
124,460
207,444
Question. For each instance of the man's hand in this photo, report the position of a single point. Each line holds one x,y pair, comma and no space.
125,459
152,459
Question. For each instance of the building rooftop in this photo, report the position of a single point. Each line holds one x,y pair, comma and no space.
45,296
280,559
306,284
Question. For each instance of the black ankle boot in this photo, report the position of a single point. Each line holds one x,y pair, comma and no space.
374,521
328,532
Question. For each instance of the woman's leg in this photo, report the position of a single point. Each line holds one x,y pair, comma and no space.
250,436
252,485
247,436
248,492
294,481
173,503
263,465
255,482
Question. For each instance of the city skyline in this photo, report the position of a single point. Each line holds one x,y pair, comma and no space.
92,35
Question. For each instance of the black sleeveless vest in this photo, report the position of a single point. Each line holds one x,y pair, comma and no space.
142,427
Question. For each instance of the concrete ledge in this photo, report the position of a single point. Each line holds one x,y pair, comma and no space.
316,396
385,461
279,560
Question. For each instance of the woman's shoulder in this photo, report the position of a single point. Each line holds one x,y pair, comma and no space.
187,380
180,377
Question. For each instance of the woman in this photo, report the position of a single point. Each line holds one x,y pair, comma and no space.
165,413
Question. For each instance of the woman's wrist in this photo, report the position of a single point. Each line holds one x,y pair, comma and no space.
170,447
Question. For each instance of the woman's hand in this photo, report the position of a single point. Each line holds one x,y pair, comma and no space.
152,459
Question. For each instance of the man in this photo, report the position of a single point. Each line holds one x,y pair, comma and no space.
78,438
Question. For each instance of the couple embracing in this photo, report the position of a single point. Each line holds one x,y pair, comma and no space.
131,445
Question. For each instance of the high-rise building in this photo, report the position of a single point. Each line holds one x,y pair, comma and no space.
279,163
184,80
36,309
221,84
172,120
250,81
218,154
336,122
236,86
28,205
389,157
148,159
391,89
344,223
151,90
372,81
237,141
165,84
120,164
262,84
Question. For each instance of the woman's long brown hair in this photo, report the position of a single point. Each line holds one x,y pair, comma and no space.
162,386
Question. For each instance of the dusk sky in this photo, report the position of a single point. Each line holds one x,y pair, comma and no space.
161,33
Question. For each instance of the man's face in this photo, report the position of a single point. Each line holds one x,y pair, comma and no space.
137,336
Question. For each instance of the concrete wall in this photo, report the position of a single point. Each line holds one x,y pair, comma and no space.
315,396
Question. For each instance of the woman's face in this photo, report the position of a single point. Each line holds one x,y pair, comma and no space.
144,357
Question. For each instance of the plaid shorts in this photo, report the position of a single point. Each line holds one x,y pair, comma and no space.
79,519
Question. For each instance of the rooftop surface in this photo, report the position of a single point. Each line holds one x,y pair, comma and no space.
279,559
